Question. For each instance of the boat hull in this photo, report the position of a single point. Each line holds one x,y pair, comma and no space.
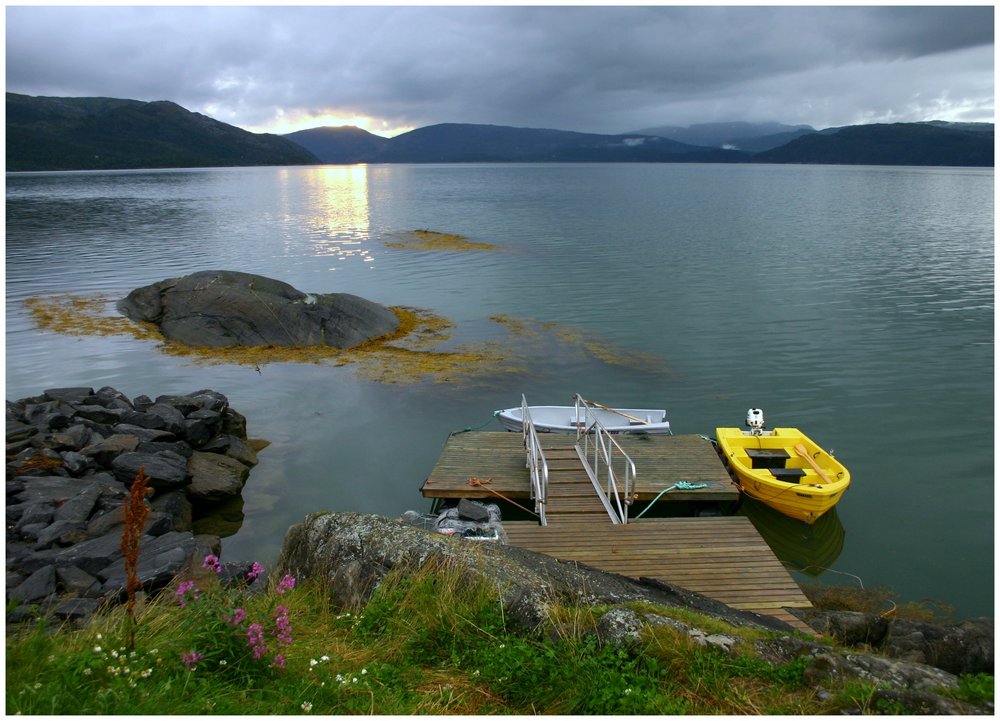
563,419
773,468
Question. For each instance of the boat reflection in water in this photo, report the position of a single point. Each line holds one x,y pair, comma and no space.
809,549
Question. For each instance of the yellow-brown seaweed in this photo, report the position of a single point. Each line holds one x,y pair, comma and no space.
408,355
413,353
435,240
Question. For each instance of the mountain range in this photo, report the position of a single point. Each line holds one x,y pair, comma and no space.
46,133
105,133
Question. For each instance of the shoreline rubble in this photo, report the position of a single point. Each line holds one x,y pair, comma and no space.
72,454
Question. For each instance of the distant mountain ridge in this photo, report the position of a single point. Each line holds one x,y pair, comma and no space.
751,137
466,142
931,143
46,133
888,144
341,145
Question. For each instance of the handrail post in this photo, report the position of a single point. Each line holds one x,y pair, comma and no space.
538,467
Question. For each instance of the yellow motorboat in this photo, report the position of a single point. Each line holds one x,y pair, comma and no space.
783,468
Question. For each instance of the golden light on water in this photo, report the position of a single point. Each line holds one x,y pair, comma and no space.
331,204
340,222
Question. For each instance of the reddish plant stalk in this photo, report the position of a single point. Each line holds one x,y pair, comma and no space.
136,510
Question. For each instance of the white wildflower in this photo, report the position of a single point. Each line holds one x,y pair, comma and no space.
313,662
306,706
324,659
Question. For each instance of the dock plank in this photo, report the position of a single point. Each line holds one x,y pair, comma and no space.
723,558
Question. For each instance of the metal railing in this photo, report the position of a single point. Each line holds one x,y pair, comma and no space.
604,460
536,463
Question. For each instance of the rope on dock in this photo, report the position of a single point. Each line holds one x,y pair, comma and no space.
476,428
682,485
477,483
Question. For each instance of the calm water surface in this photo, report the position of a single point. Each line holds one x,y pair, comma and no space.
853,302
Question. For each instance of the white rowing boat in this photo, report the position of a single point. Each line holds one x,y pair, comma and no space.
569,419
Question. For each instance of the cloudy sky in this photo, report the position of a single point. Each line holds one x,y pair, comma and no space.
604,69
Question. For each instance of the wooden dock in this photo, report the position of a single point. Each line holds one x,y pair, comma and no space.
723,558
661,461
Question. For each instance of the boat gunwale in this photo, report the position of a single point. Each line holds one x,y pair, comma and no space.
543,424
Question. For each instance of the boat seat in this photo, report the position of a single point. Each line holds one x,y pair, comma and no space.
788,475
767,457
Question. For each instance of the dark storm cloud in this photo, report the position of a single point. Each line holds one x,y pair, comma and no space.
603,69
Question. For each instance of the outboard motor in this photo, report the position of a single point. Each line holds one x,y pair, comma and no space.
755,421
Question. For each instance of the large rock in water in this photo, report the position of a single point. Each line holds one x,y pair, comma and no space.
222,308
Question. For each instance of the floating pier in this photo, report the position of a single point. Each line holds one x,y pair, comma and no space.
722,557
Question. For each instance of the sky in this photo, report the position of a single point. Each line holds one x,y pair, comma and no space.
601,69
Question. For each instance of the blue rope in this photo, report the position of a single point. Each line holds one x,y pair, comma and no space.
681,485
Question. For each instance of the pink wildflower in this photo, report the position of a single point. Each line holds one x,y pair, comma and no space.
255,640
182,591
286,584
255,571
212,561
278,661
283,627
191,659
238,617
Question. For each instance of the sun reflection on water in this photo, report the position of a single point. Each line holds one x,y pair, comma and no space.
339,222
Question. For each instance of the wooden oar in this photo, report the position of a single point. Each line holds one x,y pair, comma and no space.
804,452
615,410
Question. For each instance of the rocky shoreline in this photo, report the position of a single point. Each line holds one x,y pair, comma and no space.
73,453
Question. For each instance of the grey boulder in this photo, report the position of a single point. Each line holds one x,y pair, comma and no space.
220,309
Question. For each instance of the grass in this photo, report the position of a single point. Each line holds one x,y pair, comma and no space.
432,643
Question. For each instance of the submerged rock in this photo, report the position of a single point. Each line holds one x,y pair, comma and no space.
221,308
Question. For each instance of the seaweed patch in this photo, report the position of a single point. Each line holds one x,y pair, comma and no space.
583,341
420,350
435,240
85,315
411,354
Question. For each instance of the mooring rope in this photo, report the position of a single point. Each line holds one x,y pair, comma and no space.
476,428
682,485
477,483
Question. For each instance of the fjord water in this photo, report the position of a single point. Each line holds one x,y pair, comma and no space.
855,303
